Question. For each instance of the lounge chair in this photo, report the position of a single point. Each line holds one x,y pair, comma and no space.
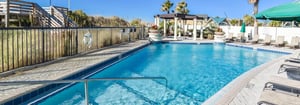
239,37
267,40
229,37
295,60
254,40
294,42
283,67
279,41
280,91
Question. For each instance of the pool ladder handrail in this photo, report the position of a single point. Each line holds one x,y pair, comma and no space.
85,81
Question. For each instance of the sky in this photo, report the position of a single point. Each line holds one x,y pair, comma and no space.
146,9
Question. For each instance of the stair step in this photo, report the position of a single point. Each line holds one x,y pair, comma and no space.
157,92
116,95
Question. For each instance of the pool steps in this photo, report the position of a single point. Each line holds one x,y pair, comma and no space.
135,90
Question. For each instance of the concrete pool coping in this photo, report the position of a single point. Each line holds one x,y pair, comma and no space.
232,96
246,89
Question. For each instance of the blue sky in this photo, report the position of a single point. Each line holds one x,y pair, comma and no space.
146,9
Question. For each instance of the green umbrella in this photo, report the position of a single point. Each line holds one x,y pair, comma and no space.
284,12
243,29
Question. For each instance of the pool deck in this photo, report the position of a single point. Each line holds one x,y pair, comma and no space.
61,68
247,92
247,88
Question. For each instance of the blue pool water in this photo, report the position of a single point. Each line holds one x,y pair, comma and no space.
194,73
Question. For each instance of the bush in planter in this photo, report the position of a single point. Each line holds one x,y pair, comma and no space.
154,29
219,31
154,33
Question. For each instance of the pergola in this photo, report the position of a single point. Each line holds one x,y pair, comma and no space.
177,16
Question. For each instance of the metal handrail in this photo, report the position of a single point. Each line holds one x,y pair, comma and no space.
85,81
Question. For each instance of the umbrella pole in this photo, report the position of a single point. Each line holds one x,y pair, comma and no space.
255,10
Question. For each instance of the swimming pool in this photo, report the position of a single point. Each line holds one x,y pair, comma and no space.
194,72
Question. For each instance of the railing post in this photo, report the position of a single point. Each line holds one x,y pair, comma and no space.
129,35
13,48
97,37
26,47
142,30
7,46
76,40
111,36
7,14
43,45
86,91
2,48
121,31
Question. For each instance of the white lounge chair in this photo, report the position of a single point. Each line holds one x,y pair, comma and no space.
295,60
279,41
280,91
283,67
254,40
294,42
239,37
267,40
229,37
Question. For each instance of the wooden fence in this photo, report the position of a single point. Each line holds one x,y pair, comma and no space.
21,47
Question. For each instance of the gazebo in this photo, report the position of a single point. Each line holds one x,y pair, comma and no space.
177,16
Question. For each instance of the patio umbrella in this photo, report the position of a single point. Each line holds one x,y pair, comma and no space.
284,12
243,28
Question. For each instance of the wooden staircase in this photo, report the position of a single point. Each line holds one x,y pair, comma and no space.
52,16
61,14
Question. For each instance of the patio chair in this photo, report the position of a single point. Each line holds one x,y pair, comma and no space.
295,60
280,91
229,37
279,41
294,42
254,40
267,40
239,37
284,66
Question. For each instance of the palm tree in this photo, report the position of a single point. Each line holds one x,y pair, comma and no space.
166,6
249,20
182,7
274,23
234,22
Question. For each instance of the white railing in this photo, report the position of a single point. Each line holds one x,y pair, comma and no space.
44,17
61,13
